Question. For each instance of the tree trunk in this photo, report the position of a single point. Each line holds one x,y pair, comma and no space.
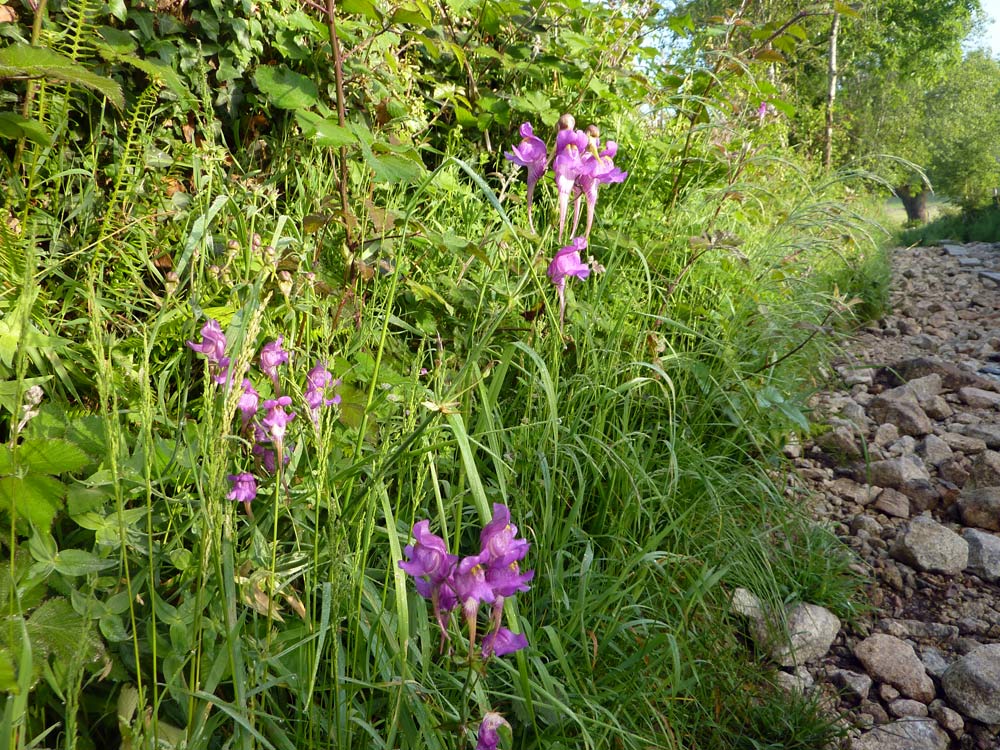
914,203
831,94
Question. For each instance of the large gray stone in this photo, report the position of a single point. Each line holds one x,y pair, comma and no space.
972,684
897,472
927,545
985,471
984,553
900,407
904,734
977,398
988,433
811,631
980,507
888,659
953,376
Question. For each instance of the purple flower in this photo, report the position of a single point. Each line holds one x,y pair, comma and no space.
468,581
431,565
498,539
502,642
568,165
248,402
213,346
531,153
602,171
507,580
244,489
267,457
568,263
272,355
317,381
277,419
488,737
428,560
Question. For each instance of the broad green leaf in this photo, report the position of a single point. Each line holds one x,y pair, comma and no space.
392,168
286,89
19,60
845,10
364,8
770,55
34,497
8,679
48,456
14,126
158,71
116,40
78,562
417,14
323,131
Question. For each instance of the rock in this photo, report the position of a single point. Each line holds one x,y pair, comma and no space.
897,472
934,450
933,660
746,604
853,685
984,553
927,545
980,507
972,684
937,408
906,707
811,631
904,734
893,503
988,433
947,718
985,471
886,434
977,398
925,388
796,683
840,441
953,376
900,407
888,659
959,442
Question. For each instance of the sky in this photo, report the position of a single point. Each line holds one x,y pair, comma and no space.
992,9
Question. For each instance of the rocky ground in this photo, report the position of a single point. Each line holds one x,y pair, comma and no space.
907,472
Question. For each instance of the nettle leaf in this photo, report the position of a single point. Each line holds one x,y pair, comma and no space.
54,628
286,89
23,60
49,456
34,497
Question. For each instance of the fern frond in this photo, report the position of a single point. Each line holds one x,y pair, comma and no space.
130,165
81,26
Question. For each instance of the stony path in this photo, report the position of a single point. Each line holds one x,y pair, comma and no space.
908,474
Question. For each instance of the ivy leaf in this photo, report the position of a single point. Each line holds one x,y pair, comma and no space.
286,89
23,60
